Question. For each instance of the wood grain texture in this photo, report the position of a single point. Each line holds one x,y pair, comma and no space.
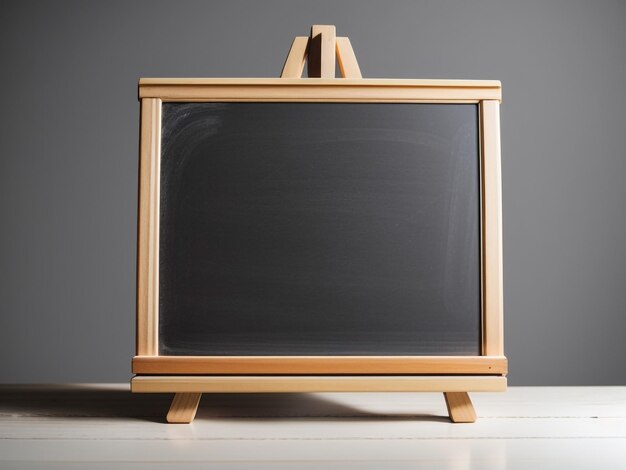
183,408
294,64
309,384
321,60
348,64
493,306
148,228
460,407
320,365
285,89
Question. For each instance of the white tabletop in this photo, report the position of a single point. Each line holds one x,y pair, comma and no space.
104,426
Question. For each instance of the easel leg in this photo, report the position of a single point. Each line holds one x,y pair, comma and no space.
460,407
183,408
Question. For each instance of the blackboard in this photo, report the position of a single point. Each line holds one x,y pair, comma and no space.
319,229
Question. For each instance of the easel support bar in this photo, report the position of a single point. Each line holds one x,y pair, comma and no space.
348,64
321,50
294,64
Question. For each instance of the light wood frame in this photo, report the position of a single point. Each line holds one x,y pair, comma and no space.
489,365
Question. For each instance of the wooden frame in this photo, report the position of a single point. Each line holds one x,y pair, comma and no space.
156,91
218,373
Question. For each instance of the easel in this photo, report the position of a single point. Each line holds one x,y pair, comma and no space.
321,50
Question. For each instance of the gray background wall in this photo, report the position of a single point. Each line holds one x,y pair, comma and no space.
68,159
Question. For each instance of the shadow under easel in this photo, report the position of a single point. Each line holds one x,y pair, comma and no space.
116,401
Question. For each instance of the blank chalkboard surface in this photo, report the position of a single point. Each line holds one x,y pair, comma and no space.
319,229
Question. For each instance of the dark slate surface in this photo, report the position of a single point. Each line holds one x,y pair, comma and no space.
319,229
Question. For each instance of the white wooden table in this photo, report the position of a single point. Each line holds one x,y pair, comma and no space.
104,426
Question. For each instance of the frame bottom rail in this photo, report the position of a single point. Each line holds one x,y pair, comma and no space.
312,384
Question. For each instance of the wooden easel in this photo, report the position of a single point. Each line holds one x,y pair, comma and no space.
321,50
